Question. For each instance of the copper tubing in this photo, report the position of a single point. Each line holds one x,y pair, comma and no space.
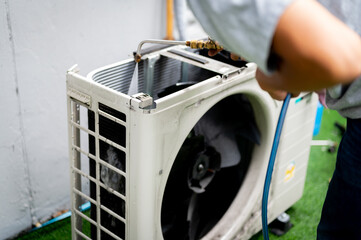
170,17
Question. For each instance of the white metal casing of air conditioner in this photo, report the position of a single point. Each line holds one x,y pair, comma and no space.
155,135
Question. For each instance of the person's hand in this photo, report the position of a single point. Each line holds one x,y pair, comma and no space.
213,52
322,97
265,84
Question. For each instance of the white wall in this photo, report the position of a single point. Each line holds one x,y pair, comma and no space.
39,41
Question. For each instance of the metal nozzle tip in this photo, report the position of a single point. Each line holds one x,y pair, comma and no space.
137,58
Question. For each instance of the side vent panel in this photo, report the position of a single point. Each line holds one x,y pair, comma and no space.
99,175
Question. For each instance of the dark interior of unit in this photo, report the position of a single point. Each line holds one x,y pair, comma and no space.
209,169
190,74
172,75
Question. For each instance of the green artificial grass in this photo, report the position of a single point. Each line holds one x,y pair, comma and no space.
56,231
305,214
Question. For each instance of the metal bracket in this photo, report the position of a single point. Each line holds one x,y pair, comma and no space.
79,96
233,72
142,100
149,72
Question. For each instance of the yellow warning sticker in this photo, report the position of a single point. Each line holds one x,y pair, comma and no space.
290,171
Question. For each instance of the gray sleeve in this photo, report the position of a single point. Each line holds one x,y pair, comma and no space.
245,27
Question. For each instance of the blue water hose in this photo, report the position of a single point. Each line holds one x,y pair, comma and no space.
271,164
84,207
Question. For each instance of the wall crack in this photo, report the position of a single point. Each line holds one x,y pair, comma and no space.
21,123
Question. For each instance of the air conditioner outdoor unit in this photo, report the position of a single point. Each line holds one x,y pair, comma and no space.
186,157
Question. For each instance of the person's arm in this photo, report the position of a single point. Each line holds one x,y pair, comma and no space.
316,50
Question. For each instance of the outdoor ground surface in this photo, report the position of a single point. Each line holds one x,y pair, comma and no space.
305,214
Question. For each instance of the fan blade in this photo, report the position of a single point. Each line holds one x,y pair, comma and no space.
220,125
194,201
193,217
177,195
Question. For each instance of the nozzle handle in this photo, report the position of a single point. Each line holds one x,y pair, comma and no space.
138,57
200,44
